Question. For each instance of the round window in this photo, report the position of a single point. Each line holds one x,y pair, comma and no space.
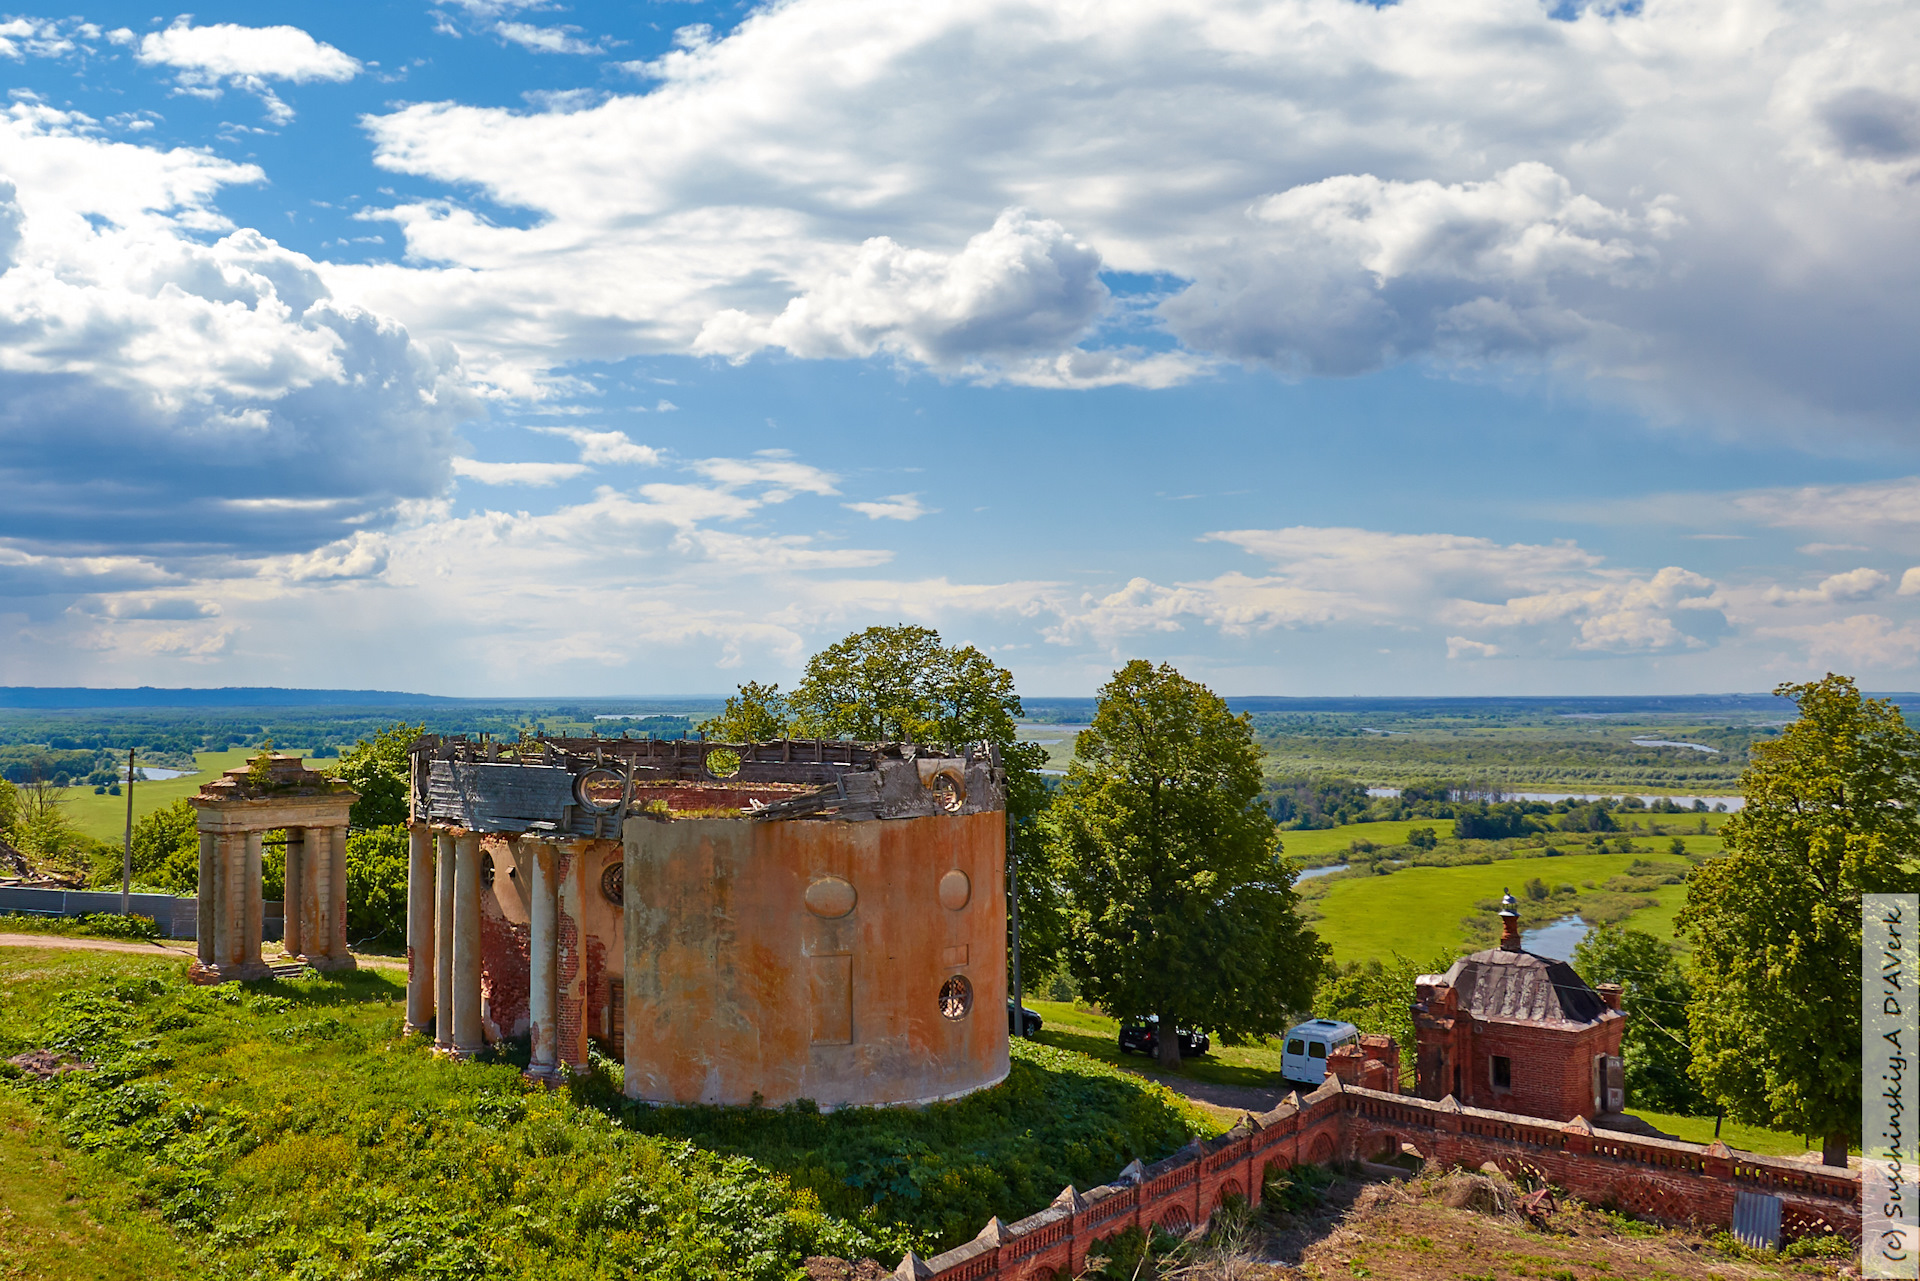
613,883
956,997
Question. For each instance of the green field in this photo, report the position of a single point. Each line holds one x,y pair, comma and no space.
1748,1138
105,817
1322,847
1417,911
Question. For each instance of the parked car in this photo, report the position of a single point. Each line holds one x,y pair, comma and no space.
1031,1020
1304,1057
1145,1038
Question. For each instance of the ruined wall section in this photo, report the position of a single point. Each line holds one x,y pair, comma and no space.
809,959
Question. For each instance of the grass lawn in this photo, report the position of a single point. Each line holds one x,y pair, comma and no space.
1319,848
1748,1138
1417,911
286,1129
105,817
65,1215
1097,1036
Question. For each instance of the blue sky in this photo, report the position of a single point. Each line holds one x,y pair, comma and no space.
493,347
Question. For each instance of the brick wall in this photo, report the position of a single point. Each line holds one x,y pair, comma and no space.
1659,1179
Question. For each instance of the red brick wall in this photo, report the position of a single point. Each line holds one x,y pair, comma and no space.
1675,1182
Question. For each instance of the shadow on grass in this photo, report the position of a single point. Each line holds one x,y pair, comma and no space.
1206,1068
318,990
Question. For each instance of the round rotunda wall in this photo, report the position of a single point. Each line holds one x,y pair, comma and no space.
846,962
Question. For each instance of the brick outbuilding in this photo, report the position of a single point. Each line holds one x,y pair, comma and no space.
1509,1031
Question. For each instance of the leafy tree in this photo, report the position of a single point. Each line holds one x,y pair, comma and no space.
379,769
1376,997
1655,994
377,885
757,714
900,684
1775,924
166,848
1181,905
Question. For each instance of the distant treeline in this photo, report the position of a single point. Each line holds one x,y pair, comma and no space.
1480,809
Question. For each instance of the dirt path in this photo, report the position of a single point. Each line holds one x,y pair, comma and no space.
182,948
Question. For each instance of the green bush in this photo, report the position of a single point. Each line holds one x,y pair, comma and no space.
105,925
377,885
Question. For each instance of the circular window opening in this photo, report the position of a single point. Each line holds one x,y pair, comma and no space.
723,762
599,790
946,793
956,997
613,883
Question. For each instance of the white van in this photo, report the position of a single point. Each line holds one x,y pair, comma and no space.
1304,1057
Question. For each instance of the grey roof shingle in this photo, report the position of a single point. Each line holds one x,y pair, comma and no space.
1498,984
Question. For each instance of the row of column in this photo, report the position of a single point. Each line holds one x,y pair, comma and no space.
444,946
231,904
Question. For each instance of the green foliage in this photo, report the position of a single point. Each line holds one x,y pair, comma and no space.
166,848
756,714
1655,994
900,684
1180,904
1775,924
379,769
101,925
291,1135
940,1171
377,885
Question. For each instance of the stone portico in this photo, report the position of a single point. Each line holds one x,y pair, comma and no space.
236,811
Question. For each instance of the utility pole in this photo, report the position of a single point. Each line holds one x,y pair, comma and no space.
1013,917
126,854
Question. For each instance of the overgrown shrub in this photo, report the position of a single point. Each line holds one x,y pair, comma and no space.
105,925
377,885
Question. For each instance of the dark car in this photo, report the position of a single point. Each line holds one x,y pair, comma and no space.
1031,1020
1145,1038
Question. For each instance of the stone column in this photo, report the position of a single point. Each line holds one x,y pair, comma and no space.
443,942
337,955
292,938
233,909
543,993
314,866
420,927
253,908
205,895
468,1039
571,958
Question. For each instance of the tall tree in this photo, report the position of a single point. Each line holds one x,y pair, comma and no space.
378,769
755,714
900,684
1654,993
1181,905
1775,925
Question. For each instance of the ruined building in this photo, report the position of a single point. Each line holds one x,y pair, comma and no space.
768,921
1509,1031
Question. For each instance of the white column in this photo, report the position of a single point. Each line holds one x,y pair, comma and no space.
543,993
233,898
467,1035
292,938
420,905
443,942
206,895
319,927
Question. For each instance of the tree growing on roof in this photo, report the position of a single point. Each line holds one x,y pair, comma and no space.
1775,925
1180,904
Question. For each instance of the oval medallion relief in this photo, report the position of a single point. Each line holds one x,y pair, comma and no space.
830,897
955,890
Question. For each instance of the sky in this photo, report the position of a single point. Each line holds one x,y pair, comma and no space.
499,347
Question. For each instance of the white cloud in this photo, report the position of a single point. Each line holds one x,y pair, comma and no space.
614,447
770,467
896,507
1910,582
1854,585
1321,185
517,473
1560,593
244,58
1859,642
546,39
145,344
1461,647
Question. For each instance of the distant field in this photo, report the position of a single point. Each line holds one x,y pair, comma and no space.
1313,848
1417,911
105,817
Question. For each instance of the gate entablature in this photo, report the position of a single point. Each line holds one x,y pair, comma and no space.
235,812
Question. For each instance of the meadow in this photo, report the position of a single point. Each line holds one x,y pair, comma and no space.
104,817
287,1129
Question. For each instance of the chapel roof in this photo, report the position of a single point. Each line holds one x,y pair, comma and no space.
1513,985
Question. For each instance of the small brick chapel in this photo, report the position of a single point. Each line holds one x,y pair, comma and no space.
1509,1031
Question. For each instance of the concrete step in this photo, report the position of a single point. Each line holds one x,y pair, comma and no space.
289,969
